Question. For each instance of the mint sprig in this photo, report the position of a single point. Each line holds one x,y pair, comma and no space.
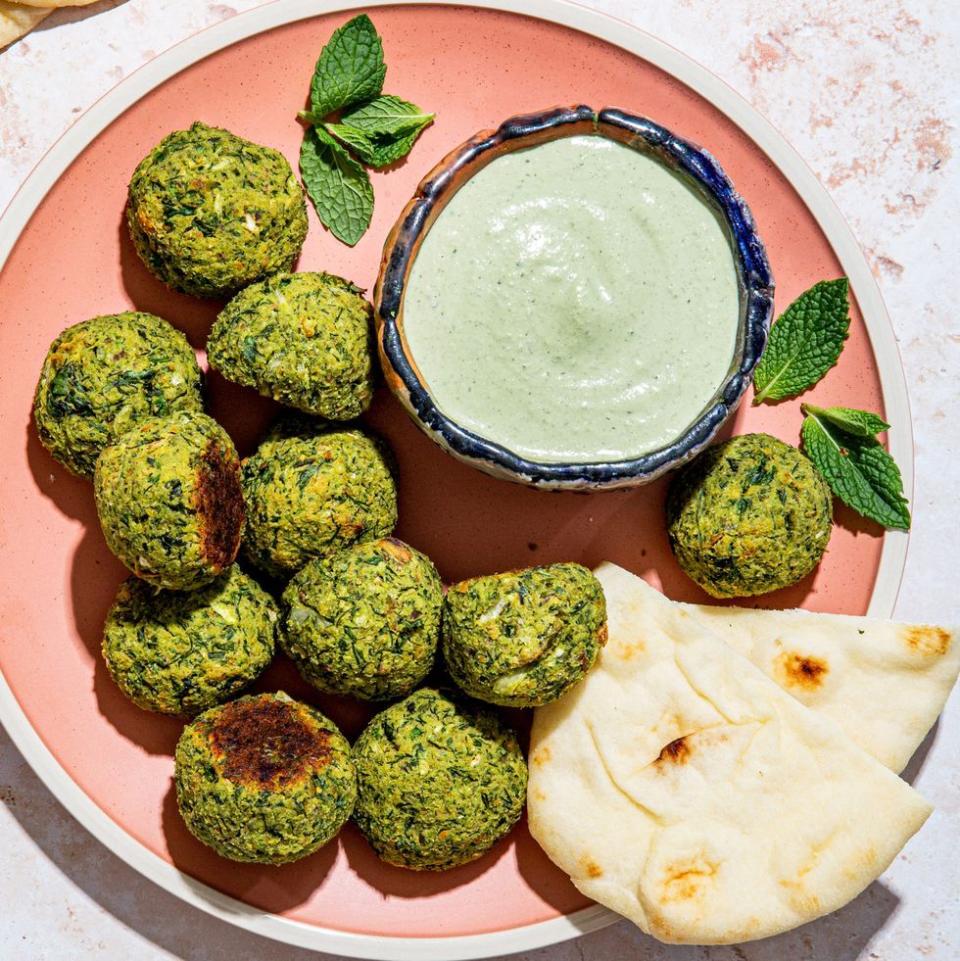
352,120
805,342
842,444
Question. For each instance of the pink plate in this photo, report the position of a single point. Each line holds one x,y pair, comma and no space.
73,260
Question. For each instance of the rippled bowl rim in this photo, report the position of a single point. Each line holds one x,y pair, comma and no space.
439,186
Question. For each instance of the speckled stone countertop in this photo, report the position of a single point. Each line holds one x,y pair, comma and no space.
869,94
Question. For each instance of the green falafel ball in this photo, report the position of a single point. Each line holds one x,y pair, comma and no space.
364,621
748,516
524,638
183,652
302,339
170,502
102,376
439,782
210,212
311,492
264,779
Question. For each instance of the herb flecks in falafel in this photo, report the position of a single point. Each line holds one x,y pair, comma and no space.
184,652
302,339
311,491
364,621
169,500
264,779
524,638
103,376
439,782
210,212
748,516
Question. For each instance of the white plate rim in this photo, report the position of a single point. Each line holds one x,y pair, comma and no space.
614,31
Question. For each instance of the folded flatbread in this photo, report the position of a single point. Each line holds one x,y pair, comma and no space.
681,787
17,19
885,684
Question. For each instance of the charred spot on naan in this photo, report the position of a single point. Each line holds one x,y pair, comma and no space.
541,755
796,670
626,650
927,640
676,752
687,879
590,867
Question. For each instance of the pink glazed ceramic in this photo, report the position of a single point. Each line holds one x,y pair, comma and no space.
74,260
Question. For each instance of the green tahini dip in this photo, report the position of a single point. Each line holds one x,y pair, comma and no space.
574,302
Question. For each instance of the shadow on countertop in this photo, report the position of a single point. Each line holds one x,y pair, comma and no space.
73,14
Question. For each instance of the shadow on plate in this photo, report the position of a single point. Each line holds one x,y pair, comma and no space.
550,883
271,888
850,520
72,495
94,578
241,411
192,315
404,883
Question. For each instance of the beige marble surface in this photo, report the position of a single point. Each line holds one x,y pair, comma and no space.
869,93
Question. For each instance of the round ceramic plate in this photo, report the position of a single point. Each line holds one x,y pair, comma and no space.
68,258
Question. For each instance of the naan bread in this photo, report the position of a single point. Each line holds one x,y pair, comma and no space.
883,683
680,786
56,4
17,19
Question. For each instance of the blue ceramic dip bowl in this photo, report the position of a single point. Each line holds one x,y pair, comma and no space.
699,168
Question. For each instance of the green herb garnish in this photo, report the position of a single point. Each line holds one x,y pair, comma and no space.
805,342
386,116
377,128
858,422
350,69
842,444
338,186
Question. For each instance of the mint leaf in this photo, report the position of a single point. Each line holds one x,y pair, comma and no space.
355,139
375,151
859,422
350,68
338,186
386,116
858,469
805,342
390,151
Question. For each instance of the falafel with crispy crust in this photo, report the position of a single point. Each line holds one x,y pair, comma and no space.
748,516
524,638
170,502
302,339
181,652
364,621
210,212
439,782
102,376
311,491
264,779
